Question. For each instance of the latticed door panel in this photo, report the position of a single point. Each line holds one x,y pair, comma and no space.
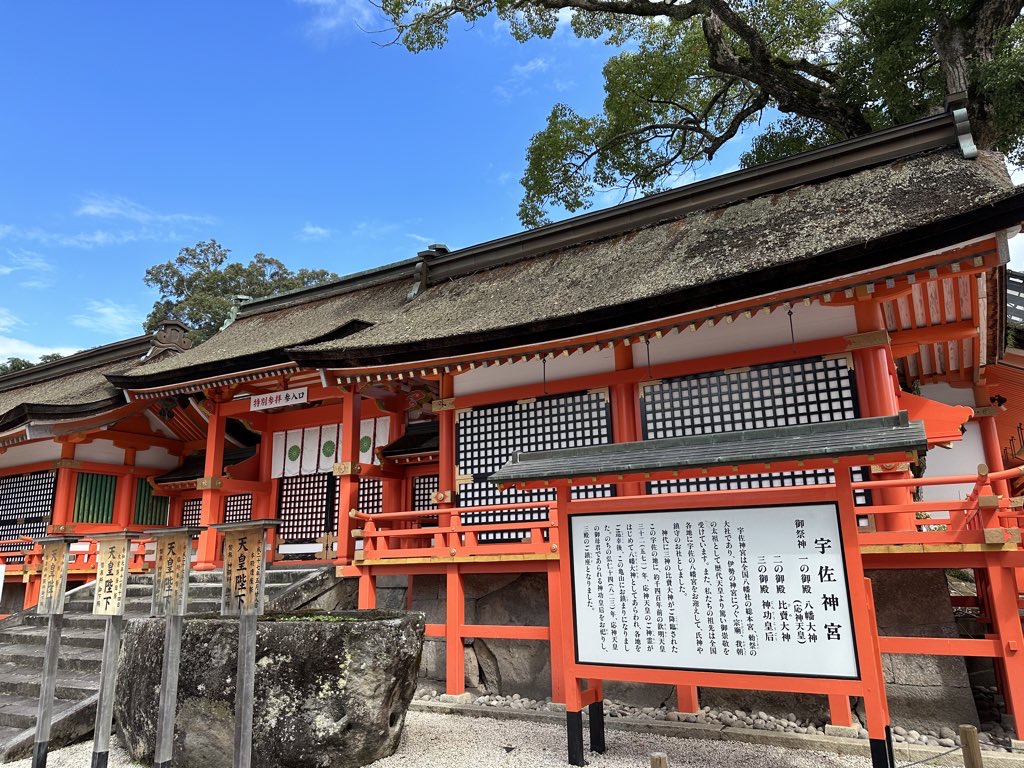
488,436
808,391
423,489
26,506
238,508
307,507
191,514
371,495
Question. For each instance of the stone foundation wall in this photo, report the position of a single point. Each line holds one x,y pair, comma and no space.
923,691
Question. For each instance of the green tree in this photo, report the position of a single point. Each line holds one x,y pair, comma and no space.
199,286
15,364
691,74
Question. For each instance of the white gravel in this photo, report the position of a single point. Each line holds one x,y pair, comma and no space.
449,741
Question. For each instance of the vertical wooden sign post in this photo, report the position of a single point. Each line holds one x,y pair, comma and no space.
112,553
242,596
170,599
53,581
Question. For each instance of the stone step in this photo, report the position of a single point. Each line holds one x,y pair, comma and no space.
83,605
7,735
70,636
19,712
72,684
71,657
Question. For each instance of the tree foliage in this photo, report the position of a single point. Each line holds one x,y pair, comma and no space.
200,286
15,364
691,74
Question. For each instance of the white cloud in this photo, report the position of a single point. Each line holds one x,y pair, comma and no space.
26,350
116,207
374,230
517,83
313,232
7,320
24,261
420,238
110,318
531,68
332,16
143,225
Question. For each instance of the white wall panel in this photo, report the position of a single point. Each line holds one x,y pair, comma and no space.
762,330
517,374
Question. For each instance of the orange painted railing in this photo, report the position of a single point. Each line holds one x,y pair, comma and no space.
446,534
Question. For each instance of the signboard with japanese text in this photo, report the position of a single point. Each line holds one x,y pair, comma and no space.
53,577
170,573
111,576
242,592
295,396
758,590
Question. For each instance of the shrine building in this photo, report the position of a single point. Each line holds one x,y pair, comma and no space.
816,331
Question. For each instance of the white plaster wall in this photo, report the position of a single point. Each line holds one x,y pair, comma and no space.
100,452
963,457
810,323
30,453
532,372
156,458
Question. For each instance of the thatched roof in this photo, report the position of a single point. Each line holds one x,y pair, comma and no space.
749,247
74,386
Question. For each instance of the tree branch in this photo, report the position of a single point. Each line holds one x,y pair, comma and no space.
775,76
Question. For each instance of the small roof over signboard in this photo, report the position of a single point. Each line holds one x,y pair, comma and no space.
854,437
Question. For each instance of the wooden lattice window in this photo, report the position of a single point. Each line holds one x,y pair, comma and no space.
488,436
94,498
423,489
808,391
238,508
371,495
26,506
149,509
191,512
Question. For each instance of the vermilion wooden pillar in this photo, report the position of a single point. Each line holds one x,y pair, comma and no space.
64,493
263,503
1002,589
878,397
124,492
348,481
455,596
212,509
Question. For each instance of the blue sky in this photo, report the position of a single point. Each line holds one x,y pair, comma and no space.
129,130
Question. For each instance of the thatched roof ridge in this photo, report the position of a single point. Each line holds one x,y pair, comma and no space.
76,385
769,242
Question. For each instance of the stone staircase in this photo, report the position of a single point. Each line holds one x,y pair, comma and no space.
23,638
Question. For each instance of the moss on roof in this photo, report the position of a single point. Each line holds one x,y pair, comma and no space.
737,241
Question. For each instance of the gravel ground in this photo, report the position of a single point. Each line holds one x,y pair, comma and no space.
428,742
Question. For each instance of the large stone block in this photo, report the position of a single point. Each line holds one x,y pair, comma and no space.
923,691
330,693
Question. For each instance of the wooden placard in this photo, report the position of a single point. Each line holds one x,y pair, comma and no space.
170,574
53,576
244,554
111,575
